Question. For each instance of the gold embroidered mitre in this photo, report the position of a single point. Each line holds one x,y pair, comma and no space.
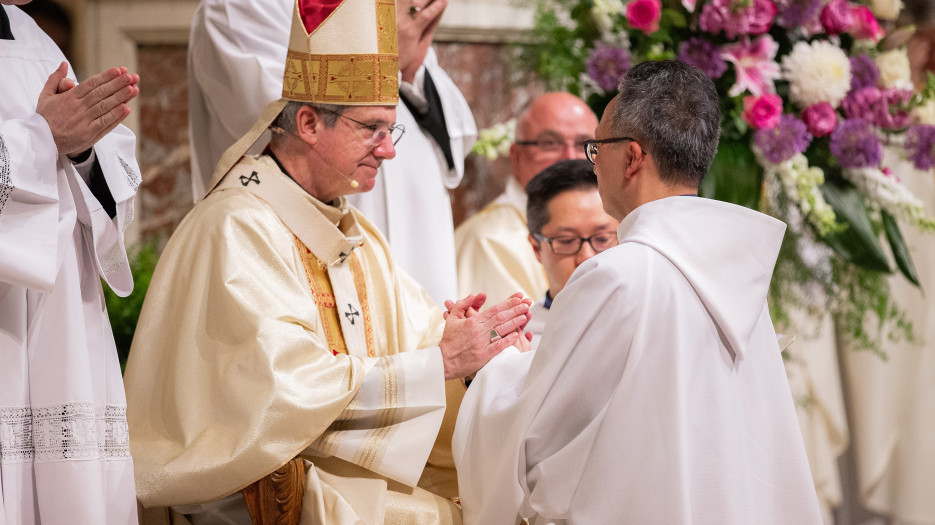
333,58
340,52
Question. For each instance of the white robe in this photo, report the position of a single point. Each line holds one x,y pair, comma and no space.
236,59
632,410
64,448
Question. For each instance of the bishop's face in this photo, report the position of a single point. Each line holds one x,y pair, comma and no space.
347,151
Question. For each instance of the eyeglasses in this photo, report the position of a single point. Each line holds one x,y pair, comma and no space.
590,146
551,145
571,244
380,131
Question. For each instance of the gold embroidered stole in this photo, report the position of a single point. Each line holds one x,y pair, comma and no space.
320,285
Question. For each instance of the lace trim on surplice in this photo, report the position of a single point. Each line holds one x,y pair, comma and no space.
6,181
63,432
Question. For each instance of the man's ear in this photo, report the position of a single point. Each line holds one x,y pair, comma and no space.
514,155
535,247
307,122
634,159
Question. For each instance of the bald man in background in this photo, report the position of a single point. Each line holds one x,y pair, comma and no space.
494,255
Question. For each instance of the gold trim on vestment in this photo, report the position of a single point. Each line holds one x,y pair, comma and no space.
361,285
341,79
373,447
323,295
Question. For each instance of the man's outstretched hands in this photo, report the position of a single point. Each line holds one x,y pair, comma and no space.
79,115
467,343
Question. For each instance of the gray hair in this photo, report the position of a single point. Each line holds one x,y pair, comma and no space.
673,111
286,119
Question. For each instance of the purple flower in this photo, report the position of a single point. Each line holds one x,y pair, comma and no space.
704,55
862,103
607,65
920,146
782,142
737,17
893,110
864,73
855,144
888,109
795,13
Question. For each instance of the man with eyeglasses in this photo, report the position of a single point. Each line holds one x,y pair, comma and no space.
567,226
278,333
236,54
494,256
657,393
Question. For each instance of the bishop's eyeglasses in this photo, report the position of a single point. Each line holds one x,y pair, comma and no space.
380,131
571,244
591,146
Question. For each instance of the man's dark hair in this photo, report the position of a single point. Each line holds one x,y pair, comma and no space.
673,111
558,178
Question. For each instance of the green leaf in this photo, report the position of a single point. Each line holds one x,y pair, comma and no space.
857,244
673,18
734,176
900,250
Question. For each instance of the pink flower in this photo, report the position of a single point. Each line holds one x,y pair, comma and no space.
762,112
644,15
761,16
820,119
866,26
837,17
753,63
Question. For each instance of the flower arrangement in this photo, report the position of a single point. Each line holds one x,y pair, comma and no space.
813,92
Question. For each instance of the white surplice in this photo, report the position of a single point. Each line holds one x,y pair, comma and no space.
236,59
64,448
657,393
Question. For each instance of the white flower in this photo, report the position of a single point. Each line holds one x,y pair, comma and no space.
924,114
817,72
603,12
495,141
886,9
887,193
894,69
800,183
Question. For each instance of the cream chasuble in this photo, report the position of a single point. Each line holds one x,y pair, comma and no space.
891,404
494,255
277,325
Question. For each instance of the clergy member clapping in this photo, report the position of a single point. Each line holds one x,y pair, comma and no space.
68,176
657,393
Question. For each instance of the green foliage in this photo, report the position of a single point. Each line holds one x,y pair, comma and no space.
871,317
899,248
125,311
734,176
859,243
